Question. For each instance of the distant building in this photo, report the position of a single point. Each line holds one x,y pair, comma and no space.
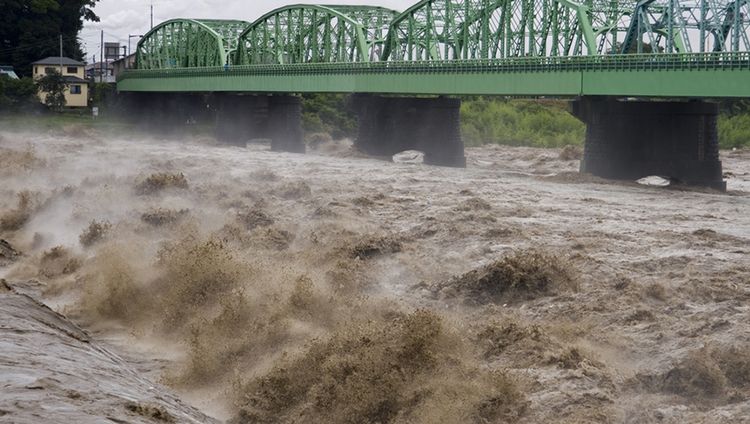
77,88
119,66
8,70
100,72
112,51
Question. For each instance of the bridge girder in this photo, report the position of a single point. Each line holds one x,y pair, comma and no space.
315,34
188,43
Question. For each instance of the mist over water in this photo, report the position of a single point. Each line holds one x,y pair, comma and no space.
330,287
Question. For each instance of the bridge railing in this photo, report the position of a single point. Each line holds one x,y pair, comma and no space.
622,62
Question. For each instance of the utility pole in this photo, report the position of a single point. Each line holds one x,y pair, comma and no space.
130,36
101,58
61,55
152,15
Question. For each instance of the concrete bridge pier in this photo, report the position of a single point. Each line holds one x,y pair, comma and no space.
240,118
629,140
388,125
284,126
243,118
165,112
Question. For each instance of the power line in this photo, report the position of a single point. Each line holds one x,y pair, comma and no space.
48,42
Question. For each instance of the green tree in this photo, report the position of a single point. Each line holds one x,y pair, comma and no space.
53,84
30,30
17,94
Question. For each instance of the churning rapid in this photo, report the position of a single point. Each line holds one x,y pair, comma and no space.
194,282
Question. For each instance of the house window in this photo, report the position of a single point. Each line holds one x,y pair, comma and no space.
75,89
72,70
50,70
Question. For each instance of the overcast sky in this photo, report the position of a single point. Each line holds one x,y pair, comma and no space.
120,18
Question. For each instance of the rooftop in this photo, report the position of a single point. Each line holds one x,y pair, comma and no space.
8,70
57,60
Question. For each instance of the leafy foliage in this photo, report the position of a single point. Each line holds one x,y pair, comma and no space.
17,94
53,85
734,131
328,113
541,123
30,30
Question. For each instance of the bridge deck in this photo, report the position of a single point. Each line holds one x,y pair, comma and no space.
643,75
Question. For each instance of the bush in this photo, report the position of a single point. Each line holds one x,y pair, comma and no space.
519,123
104,95
17,94
734,131
53,85
328,113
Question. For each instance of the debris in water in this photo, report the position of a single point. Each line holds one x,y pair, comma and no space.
253,218
154,412
571,152
294,190
15,219
95,232
161,181
521,275
58,261
406,369
374,246
159,217
7,253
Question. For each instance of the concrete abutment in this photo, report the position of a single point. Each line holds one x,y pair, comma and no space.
237,118
242,118
165,112
629,140
284,126
388,125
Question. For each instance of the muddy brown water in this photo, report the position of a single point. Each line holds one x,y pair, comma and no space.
259,254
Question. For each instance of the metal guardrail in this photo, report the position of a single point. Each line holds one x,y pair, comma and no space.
626,62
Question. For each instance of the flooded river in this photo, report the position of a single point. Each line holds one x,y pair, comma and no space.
192,282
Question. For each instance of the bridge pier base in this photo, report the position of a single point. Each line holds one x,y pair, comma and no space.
165,112
240,118
388,125
285,124
629,140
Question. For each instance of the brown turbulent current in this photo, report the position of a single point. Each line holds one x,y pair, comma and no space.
187,278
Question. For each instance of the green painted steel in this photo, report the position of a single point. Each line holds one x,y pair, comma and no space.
672,26
189,43
496,29
490,29
655,48
650,75
316,34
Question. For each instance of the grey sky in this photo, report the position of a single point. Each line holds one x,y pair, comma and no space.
120,18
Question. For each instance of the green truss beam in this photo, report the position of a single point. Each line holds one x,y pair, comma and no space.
658,48
189,43
315,34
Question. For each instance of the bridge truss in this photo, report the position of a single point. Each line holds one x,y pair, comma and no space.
189,43
496,29
315,34
654,48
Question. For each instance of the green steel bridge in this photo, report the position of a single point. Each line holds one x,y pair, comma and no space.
649,48
597,51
